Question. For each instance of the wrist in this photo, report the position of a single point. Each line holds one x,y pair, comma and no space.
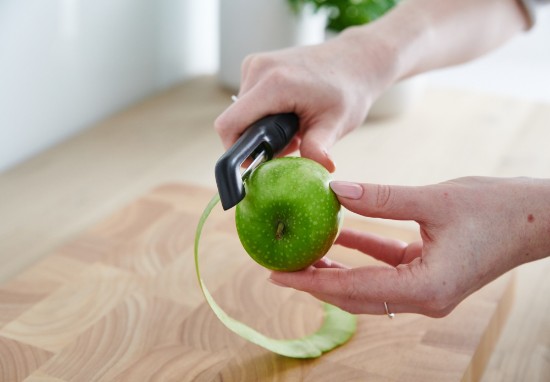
534,217
422,35
391,45
373,59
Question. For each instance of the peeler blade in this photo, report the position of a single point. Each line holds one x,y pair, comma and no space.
261,141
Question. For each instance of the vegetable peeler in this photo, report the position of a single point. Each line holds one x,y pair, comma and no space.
261,142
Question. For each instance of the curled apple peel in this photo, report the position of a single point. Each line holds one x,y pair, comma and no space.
336,329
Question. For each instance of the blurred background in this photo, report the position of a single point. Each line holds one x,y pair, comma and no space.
103,100
67,64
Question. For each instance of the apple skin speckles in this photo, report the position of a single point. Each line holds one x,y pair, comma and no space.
292,193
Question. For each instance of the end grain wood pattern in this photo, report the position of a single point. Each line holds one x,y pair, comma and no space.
121,303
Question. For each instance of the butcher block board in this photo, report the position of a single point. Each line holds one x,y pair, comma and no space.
121,302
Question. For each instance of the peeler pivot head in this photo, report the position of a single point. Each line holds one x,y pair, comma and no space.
266,137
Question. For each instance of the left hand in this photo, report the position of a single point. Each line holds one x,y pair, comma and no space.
472,231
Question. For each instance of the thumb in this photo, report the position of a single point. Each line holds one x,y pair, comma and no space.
384,201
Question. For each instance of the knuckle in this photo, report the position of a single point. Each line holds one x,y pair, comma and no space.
348,285
247,60
254,63
383,196
278,76
267,72
220,124
313,280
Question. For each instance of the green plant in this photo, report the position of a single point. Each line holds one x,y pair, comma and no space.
346,13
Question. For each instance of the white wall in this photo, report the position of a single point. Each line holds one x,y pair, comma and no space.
65,64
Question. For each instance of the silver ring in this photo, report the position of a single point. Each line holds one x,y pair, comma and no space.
234,98
390,315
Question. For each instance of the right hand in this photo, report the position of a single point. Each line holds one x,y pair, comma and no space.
329,86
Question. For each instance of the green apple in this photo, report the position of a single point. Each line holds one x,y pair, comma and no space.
289,217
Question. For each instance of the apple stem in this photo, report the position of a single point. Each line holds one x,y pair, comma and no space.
280,230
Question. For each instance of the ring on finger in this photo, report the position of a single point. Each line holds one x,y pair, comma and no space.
390,315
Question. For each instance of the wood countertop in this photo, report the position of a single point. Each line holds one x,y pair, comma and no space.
52,201
121,303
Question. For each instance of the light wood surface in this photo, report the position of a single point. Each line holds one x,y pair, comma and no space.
50,199
128,307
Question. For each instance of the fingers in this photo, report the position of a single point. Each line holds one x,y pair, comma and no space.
366,283
384,201
269,87
265,90
390,251
316,141
249,108
377,308
293,146
361,290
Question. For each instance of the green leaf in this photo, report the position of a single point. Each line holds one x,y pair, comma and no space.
337,328
347,13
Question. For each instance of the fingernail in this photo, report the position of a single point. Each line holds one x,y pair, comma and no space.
347,189
276,283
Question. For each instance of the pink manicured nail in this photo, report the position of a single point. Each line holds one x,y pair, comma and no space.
276,283
347,189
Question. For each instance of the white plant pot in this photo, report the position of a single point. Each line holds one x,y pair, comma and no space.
396,100
252,26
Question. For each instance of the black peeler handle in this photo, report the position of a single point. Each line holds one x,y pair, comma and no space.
269,135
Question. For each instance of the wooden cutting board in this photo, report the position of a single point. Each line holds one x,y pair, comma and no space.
121,302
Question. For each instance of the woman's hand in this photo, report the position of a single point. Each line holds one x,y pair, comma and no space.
329,86
473,230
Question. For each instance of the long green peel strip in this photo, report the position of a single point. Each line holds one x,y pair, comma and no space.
338,326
